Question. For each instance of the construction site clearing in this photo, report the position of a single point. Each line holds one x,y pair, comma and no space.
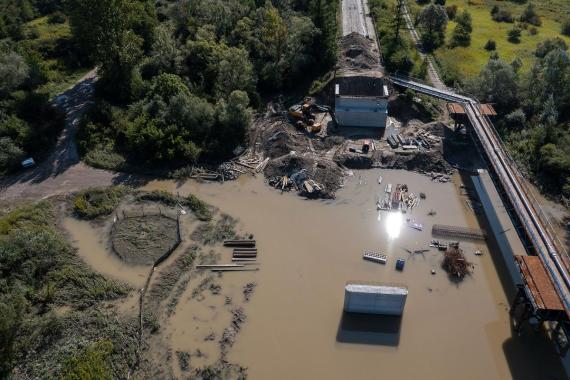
302,149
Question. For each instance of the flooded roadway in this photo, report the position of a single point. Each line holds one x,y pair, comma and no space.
310,249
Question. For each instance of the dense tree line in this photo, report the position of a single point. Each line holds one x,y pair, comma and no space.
28,124
224,54
396,45
177,81
535,111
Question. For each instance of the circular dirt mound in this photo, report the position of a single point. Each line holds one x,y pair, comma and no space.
144,239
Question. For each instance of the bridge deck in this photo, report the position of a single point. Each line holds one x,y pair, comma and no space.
539,284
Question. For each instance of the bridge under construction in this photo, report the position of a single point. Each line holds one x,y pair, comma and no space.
544,295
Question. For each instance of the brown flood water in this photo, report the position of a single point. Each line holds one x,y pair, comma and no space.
310,249
92,246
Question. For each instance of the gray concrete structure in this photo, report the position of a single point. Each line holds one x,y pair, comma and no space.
367,111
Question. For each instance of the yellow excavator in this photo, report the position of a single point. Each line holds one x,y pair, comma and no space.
305,118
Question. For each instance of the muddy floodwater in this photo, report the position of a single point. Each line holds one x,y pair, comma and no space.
308,250
93,247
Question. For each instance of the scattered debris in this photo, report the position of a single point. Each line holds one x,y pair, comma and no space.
230,333
440,177
210,336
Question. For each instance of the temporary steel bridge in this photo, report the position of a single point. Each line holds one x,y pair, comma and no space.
534,227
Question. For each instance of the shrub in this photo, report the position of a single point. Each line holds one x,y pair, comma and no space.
516,119
439,2
503,16
546,46
514,35
10,155
57,18
565,29
95,202
462,33
105,159
451,11
94,362
530,16
200,208
533,31
490,45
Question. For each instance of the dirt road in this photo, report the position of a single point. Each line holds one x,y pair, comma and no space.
433,74
62,172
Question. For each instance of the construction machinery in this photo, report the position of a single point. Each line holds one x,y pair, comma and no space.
304,115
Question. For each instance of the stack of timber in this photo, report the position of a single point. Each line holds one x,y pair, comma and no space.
244,250
251,163
239,243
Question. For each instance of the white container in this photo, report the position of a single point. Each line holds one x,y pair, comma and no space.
374,298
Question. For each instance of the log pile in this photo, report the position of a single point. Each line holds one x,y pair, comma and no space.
455,263
249,163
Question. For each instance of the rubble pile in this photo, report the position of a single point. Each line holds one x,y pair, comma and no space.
455,264
311,178
358,53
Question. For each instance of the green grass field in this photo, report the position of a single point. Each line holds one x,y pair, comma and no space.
469,61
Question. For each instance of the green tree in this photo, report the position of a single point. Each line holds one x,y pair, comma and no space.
497,83
433,22
514,35
234,118
105,32
234,72
323,14
13,72
273,36
462,33
530,16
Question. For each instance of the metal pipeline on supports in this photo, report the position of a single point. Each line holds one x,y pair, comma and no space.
551,251
496,148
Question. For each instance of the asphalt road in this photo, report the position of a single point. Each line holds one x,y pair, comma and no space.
353,17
